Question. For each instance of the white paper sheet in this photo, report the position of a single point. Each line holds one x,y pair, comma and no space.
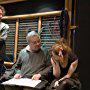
22,82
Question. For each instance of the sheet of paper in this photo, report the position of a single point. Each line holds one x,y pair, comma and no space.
22,82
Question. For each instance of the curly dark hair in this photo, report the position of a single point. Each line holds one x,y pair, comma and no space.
3,10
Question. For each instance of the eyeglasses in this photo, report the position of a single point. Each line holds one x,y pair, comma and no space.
35,42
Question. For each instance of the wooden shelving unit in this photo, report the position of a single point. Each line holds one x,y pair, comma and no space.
10,1
19,25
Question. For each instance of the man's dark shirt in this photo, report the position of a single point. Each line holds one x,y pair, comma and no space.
30,63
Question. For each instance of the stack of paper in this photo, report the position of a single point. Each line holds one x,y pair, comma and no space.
22,82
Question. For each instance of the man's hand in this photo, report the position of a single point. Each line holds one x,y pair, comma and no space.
17,76
36,76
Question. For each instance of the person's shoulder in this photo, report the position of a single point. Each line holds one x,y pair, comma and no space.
73,56
23,50
42,50
45,51
7,26
4,25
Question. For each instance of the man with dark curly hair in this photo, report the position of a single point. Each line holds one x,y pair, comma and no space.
4,29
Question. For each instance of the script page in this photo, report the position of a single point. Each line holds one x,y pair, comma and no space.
22,82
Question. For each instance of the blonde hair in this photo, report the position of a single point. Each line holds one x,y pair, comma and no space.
61,43
56,48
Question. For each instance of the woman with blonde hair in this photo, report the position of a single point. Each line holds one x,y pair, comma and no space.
64,63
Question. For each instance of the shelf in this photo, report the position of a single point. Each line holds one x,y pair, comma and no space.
10,1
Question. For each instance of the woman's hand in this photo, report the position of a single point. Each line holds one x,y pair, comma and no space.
56,68
56,84
53,61
60,80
